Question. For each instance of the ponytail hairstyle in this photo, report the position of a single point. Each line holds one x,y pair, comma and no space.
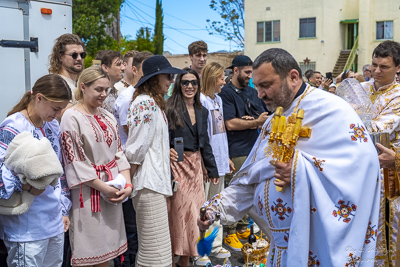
88,77
51,86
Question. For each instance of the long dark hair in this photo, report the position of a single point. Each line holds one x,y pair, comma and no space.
51,86
176,105
152,88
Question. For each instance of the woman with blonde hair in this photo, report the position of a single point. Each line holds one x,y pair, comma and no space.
33,229
97,173
212,81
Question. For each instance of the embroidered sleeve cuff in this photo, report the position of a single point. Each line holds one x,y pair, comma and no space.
64,212
212,208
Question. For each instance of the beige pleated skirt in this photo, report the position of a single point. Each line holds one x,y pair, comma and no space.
153,229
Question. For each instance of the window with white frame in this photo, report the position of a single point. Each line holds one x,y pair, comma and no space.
307,27
384,30
268,31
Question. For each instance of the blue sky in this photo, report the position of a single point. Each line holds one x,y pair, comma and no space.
184,23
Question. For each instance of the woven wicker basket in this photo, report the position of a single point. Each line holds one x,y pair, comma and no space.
256,256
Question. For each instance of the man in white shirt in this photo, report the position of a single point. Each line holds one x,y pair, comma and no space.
127,80
122,103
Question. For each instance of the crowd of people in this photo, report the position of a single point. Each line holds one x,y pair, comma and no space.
107,163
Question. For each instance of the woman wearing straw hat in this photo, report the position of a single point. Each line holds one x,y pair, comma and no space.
147,150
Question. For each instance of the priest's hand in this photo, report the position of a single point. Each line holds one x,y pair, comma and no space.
203,225
386,156
283,172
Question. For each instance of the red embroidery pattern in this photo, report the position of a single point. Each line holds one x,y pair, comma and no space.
358,133
96,132
371,233
312,260
318,163
107,133
99,259
286,237
104,130
70,147
280,209
344,211
352,261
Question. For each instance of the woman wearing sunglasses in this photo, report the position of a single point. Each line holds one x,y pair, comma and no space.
187,119
147,150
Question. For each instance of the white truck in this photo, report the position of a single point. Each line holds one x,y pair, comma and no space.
27,33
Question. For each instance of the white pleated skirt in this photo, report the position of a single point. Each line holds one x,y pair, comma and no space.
153,229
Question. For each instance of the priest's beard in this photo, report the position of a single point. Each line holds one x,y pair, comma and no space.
283,98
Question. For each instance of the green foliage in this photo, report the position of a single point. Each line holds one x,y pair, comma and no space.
90,19
144,41
158,30
127,44
232,12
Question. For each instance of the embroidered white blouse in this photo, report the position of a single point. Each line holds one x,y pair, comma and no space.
44,218
148,146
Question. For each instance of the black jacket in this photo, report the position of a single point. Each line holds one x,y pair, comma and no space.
202,136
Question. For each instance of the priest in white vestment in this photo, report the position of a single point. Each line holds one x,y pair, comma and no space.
327,213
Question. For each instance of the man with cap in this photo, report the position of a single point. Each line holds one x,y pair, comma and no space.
243,115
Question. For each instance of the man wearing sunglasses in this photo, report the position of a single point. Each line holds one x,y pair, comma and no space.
67,58
384,93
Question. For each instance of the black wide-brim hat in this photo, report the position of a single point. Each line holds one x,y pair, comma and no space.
155,65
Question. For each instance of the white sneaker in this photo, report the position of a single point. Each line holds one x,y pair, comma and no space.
203,261
223,253
256,228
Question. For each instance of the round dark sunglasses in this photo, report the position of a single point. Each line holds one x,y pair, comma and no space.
75,55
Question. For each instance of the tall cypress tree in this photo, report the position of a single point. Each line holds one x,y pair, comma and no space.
158,31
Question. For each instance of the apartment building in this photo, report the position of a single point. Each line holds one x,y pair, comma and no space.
321,34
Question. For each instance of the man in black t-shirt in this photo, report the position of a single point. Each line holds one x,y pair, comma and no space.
243,115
